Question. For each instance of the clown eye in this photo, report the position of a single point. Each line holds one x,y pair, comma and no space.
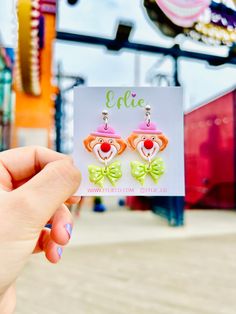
143,138
110,141
153,138
100,140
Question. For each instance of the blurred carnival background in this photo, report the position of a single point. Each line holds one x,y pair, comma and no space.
125,255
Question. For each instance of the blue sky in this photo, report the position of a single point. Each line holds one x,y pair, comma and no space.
103,68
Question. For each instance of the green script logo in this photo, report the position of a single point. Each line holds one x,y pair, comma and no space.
128,100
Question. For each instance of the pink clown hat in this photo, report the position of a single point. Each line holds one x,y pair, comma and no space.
109,132
144,128
183,13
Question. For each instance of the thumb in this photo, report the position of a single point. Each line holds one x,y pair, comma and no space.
51,187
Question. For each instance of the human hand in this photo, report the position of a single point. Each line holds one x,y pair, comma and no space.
34,184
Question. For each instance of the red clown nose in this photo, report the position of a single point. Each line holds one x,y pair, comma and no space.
148,144
105,147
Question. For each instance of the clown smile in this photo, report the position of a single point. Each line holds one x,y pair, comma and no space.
148,154
105,157
148,149
104,154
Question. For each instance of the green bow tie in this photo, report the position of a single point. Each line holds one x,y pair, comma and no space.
98,174
140,170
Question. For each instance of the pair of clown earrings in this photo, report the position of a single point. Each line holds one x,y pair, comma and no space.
106,144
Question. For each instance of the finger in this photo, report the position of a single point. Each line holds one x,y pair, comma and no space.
62,226
32,160
73,200
42,242
47,190
53,252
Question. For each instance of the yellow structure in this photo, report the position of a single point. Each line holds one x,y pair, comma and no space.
34,111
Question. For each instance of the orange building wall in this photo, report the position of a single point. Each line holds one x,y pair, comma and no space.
38,112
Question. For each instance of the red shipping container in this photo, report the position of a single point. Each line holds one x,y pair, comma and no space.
209,154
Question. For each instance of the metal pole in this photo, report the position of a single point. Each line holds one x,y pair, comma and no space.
176,72
174,51
137,69
58,120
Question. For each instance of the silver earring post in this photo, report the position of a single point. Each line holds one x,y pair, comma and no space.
105,118
148,115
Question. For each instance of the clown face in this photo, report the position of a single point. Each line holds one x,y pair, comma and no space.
104,148
148,145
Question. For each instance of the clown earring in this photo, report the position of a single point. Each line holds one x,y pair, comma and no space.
105,144
148,141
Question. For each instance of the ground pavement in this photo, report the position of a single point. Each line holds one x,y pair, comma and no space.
123,262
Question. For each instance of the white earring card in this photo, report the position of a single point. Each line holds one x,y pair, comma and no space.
129,141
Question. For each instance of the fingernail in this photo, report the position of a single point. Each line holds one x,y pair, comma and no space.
59,251
69,228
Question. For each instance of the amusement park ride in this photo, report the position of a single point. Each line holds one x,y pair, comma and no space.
210,22
33,71
33,74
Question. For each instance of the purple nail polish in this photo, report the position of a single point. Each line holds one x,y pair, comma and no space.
69,228
59,251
